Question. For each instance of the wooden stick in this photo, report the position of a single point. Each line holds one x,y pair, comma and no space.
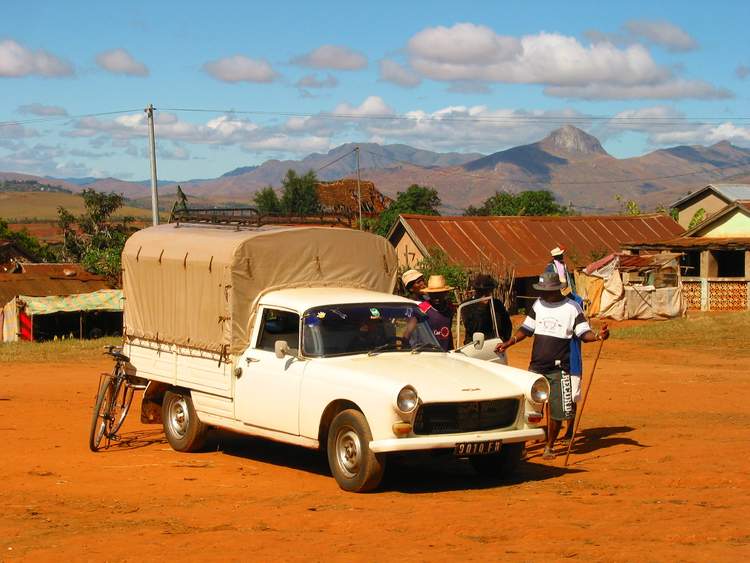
579,410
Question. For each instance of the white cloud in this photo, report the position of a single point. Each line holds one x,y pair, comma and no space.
17,61
41,110
312,81
119,61
666,34
391,71
334,57
474,53
240,68
371,106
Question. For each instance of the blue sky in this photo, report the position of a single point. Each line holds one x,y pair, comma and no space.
304,77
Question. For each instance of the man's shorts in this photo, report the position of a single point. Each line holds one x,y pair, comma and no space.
564,392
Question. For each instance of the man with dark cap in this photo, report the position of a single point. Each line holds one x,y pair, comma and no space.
478,317
553,320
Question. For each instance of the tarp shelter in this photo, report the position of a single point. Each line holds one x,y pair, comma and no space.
18,314
624,286
197,285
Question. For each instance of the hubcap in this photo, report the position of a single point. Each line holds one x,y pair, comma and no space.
348,452
179,417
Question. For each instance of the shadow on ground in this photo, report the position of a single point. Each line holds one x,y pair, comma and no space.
596,439
137,439
422,472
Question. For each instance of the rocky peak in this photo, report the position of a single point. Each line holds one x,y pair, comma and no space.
571,140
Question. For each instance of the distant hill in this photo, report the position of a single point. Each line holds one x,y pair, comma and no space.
568,162
18,206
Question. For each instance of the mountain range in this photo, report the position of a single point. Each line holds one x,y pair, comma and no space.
568,162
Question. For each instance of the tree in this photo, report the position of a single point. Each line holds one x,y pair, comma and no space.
300,196
530,202
416,199
91,238
438,263
26,242
266,201
697,218
628,207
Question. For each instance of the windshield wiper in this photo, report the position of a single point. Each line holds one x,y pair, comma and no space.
381,348
424,345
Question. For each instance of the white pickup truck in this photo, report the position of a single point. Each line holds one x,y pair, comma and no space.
294,334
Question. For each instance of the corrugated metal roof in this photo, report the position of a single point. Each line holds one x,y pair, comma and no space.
688,243
729,192
40,280
523,243
733,192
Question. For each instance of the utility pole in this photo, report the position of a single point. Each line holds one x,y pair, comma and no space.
152,152
359,191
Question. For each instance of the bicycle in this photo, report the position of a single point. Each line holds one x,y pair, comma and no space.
113,400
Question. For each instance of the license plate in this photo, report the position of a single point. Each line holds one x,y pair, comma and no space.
464,449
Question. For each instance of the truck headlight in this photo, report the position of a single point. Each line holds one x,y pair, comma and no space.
540,390
407,399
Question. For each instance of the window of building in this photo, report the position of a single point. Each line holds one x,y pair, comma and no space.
730,263
690,263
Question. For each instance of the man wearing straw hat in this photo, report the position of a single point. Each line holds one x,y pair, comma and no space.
439,310
553,320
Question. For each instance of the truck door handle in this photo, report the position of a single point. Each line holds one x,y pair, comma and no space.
250,360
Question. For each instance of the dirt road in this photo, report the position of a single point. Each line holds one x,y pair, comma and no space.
662,473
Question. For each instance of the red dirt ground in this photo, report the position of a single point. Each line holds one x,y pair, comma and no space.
661,473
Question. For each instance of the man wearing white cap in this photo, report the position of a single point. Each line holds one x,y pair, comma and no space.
414,283
558,266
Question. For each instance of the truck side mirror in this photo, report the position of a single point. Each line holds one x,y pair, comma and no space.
281,348
477,339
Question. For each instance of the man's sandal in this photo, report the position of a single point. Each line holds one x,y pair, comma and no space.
548,454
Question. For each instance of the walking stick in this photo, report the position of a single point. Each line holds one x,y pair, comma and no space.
579,411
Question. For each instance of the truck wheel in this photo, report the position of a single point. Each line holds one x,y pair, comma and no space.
500,464
184,431
355,467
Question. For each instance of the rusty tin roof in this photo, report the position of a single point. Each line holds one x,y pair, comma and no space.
524,243
39,280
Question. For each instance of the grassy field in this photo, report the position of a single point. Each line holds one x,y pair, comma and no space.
19,206
55,350
697,330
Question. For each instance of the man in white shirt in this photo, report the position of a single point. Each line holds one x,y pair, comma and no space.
553,320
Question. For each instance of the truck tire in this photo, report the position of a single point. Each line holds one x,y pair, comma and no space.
354,466
499,465
182,427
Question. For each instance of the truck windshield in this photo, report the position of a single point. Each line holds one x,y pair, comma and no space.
338,330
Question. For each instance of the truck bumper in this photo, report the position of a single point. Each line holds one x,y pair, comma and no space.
450,440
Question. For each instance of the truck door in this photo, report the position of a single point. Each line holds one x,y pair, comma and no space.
267,393
478,315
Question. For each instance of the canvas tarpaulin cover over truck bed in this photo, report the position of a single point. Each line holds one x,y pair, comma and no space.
197,286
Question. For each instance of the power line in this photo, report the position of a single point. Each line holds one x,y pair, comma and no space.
508,119
65,117
334,161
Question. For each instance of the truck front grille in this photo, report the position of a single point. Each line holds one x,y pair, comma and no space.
472,416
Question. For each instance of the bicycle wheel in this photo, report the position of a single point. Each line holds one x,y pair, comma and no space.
101,420
121,405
